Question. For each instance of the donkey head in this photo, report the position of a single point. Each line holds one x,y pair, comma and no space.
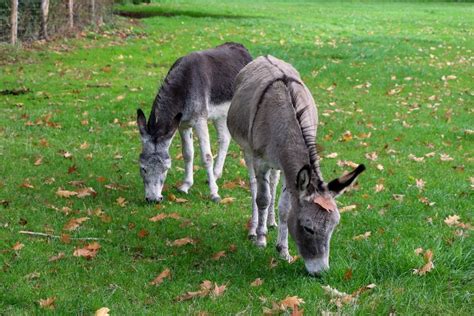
314,216
154,160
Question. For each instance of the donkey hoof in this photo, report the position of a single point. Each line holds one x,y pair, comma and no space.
252,237
272,225
261,241
215,198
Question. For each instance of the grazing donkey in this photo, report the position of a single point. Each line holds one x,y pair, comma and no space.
197,88
273,118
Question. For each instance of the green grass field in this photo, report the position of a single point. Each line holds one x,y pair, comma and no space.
397,76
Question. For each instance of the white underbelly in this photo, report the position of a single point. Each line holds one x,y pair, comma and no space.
217,111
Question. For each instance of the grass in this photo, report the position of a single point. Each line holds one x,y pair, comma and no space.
91,87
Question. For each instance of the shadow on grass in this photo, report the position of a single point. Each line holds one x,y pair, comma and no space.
149,12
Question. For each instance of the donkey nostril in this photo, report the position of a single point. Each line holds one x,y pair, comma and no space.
160,198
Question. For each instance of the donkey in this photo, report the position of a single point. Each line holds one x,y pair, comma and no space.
197,88
273,118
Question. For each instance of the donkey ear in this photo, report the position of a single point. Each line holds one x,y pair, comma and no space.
303,179
141,122
339,185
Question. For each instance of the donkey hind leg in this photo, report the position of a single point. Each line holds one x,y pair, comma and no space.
274,178
263,201
253,189
283,211
188,156
206,157
223,137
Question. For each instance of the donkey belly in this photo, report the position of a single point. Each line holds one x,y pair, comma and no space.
217,112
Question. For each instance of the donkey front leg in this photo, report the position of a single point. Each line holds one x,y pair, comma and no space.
188,156
274,178
206,157
283,210
223,137
263,201
253,190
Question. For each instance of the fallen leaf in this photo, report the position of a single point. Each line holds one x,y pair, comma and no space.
347,163
398,197
379,187
348,274
83,192
121,201
180,200
371,156
428,266
206,287
420,184
414,158
218,290
65,193
38,161
257,282
88,252
143,233
341,298
291,302
47,303
18,246
347,208
445,157
26,184
362,236
57,257
453,220
158,217
103,311
218,255
379,167
331,155
227,200
74,223
347,136
183,241
159,279
67,155
84,145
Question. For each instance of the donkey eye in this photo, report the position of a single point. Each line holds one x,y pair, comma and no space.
143,170
308,230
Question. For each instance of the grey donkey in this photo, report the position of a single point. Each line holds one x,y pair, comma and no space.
273,118
197,88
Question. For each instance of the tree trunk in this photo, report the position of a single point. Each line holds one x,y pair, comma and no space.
44,19
14,21
71,14
93,11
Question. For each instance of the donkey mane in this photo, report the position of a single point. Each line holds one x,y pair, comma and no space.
296,90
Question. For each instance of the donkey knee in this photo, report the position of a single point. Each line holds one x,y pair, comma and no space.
263,200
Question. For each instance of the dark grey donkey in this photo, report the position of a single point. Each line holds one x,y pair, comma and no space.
197,88
273,118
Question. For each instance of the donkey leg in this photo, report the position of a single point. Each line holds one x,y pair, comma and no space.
223,137
188,155
253,189
263,201
206,157
282,239
274,178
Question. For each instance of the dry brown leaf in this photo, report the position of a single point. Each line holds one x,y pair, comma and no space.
218,255
347,208
206,287
26,184
83,192
347,136
18,246
453,220
158,217
65,193
47,303
362,236
103,311
420,184
371,156
160,278
59,256
291,302
348,274
38,161
347,163
445,157
341,298
428,266
180,200
183,241
88,252
218,290
331,155
227,200
121,201
257,282
74,223
379,187
415,158
297,312
398,197
380,167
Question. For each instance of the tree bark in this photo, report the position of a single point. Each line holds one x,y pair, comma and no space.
71,14
93,11
44,19
14,21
